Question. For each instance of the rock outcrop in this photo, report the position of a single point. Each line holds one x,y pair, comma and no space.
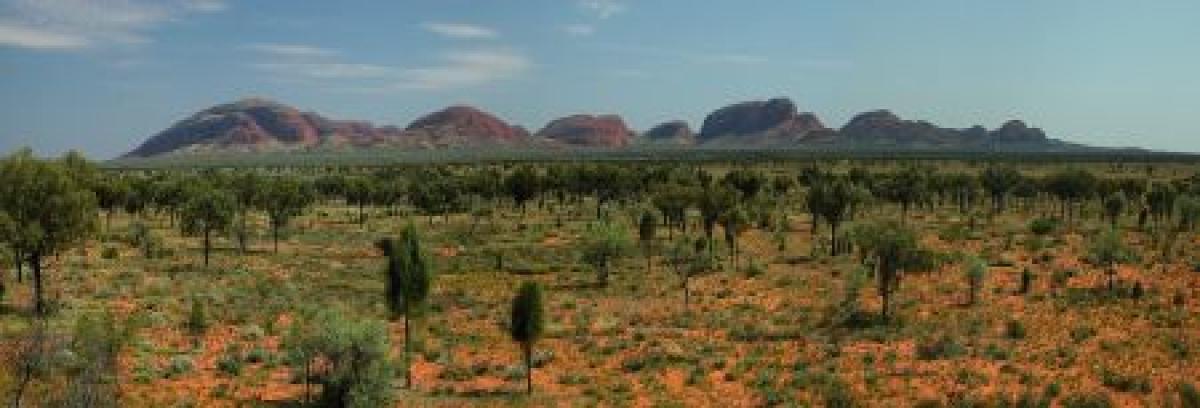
465,126
775,121
673,133
254,125
607,131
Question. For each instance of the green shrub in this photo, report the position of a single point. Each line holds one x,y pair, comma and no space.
354,354
944,347
1082,333
838,395
230,364
1043,226
1125,383
1014,330
1189,396
177,366
754,269
110,252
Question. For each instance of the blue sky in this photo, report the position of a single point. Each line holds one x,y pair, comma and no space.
102,75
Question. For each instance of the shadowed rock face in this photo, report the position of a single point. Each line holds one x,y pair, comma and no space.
672,133
1015,131
883,127
756,122
588,131
465,125
249,122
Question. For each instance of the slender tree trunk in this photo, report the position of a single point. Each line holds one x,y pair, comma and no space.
307,376
686,293
207,246
527,348
887,297
408,381
1112,274
39,304
20,266
275,236
833,240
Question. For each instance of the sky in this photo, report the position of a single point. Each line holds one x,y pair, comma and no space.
100,76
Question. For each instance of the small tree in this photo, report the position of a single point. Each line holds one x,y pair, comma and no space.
1188,208
207,212
111,195
895,250
527,324
976,273
47,210
831,201
1114,205
607,243
713,203
408,283
1107,250
248,189
647,226
733,222
679,257
284,199
999,181
523,185
358,191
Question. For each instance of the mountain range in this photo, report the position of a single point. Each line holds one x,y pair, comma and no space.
262,125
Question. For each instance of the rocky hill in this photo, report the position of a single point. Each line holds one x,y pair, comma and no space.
673,133
759,123
605,131
255,125
260,125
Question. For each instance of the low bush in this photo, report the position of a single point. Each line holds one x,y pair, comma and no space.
942,348
1043,226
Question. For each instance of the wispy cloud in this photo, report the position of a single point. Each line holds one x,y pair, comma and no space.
78,24
326,70
579,30
464,69
603,8
290,50
460,30
456,69
15,35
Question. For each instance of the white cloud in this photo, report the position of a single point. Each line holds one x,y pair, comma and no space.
290,50
457,69
579,30
603,8
15,35
460,31
326,70
77,24
464,69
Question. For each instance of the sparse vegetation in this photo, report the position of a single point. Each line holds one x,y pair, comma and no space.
842,287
